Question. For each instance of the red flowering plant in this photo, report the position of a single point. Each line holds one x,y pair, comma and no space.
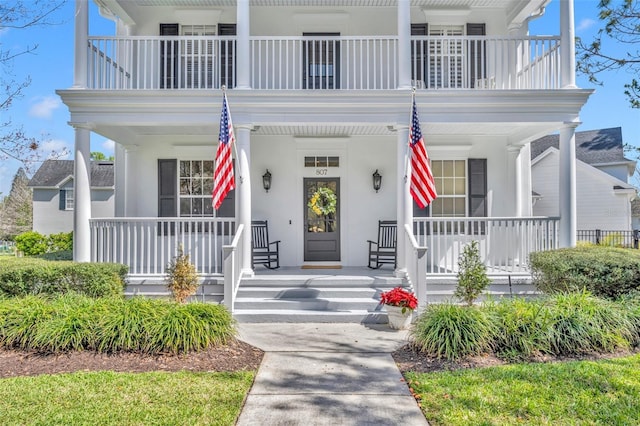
399,297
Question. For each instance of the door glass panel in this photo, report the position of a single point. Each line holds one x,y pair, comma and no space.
322,205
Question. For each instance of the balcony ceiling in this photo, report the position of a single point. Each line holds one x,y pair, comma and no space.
517,10
341,3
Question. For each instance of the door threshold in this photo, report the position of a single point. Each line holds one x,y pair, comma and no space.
322,265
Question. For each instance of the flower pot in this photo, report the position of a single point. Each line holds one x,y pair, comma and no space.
398,320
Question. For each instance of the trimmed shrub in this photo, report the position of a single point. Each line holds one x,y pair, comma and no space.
60,242
472,274
607,272
182,277
31,243
452,331
76,322
37,276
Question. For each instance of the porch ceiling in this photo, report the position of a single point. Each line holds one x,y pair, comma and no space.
137,116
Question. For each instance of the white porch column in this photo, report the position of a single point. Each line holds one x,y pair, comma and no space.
568,217
243,51
81,40
525,201
82,194
243,191
567,45
513,181
130,175
404,47
403,201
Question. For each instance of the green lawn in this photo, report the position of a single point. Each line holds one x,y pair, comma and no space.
604,392
108,398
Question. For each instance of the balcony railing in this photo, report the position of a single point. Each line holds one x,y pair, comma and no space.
327,63
504,243
147,245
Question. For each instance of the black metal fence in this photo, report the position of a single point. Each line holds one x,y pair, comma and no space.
627,239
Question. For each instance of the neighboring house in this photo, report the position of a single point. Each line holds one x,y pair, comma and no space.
320,97
635,213
53,195
602,175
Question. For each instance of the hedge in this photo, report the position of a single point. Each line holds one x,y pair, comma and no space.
607,272
23,276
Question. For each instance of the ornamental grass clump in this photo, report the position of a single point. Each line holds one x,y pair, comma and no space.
399,297
581,323
111,325
182,277
453,332
521,328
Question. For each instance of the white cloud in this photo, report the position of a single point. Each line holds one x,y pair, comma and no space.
47,148
108,145
585,24
45,106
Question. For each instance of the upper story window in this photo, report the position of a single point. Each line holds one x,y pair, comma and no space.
446,57
66,199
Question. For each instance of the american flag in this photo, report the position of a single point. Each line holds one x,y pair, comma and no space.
223,180
423,187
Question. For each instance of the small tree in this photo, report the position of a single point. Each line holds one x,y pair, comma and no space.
182,277
472,274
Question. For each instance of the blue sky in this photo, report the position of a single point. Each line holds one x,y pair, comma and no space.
51,67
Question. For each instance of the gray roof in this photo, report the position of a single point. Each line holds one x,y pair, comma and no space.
602,146
53,172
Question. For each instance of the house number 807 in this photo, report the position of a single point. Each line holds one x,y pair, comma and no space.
321,172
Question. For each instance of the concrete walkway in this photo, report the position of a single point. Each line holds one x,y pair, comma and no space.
327,374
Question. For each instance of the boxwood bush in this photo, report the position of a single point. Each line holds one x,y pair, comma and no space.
607,272
22,276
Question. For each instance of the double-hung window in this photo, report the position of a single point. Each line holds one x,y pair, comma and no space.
66,199
195,187
451,183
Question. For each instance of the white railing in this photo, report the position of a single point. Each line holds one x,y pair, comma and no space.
485,62
233,269
328,63
504,242
416,267
147,245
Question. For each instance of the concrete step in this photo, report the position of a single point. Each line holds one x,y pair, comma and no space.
310,292
322,281
308,304
310,316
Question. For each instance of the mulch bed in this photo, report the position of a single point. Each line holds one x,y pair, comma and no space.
235,356
408,359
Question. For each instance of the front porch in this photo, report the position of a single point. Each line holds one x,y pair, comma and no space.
295,293
147,245
349,294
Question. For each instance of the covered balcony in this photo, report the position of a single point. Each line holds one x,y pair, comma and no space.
326,63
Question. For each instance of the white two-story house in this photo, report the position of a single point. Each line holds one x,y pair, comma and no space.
320,96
